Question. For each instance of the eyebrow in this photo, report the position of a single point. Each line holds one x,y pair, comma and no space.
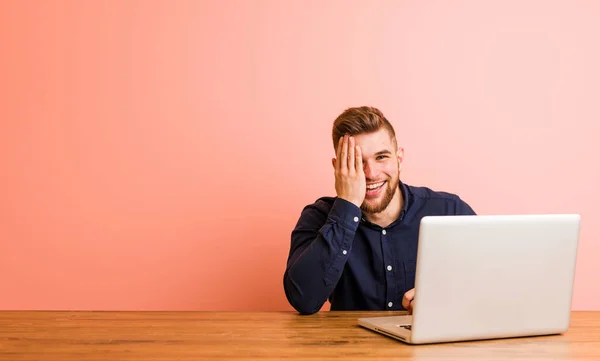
381,152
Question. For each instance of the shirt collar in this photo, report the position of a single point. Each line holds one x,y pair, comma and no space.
405,197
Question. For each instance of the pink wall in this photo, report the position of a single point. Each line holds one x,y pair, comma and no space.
157,154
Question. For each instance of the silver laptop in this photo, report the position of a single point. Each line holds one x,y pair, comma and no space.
485,277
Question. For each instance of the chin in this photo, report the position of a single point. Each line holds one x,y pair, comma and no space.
368,207
373,204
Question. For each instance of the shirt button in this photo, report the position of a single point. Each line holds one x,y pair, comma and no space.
389,268
355,219
344,252
390,305
384,232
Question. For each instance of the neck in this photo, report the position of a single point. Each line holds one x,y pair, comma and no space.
390,214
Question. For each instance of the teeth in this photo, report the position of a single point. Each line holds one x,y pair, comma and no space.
376,185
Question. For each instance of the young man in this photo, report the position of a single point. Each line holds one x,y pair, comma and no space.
359,249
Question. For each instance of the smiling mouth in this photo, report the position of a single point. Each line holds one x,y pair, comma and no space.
375,186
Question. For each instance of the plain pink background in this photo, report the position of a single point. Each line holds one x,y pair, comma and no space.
157,154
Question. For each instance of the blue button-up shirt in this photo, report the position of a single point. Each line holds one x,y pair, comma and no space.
337,254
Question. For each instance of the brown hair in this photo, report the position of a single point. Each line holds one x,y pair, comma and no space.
360,120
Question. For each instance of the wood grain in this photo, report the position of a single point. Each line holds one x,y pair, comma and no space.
47,335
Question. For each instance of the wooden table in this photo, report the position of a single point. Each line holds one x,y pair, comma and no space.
37,335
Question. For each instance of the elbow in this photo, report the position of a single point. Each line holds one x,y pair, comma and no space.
299,300
307,309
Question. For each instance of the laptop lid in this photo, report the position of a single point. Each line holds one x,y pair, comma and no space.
494,276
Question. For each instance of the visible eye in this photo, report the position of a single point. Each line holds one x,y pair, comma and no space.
380,157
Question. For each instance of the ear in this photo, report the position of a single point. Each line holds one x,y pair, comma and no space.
400,153
333,163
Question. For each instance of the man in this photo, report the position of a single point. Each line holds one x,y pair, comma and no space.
359,249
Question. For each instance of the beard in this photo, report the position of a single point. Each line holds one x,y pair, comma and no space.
391,187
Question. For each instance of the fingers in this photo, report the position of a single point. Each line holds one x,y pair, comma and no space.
343,160
408,298
405,302
410,307
338,154
348,155
358,160
351,161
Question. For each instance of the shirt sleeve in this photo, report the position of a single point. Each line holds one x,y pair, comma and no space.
462,208
320,246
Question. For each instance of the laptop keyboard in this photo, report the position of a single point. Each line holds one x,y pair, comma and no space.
408,327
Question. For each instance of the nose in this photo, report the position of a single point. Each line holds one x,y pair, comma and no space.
371,171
